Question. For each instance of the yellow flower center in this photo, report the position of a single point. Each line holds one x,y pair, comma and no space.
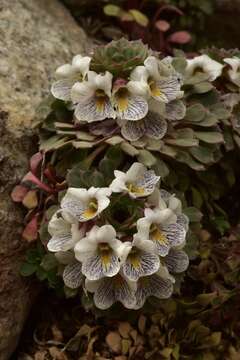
91,210
121,97
133,258
101,99
155,91
133,188
105,253
157,235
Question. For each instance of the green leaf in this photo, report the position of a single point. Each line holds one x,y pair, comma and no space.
196,198
28,269
203,154
193,214
195,113
183,142
139,17
49,262
146,158
70,293
112,10
212,137
78,177
179,64
161,168
53,143
203,87
41,274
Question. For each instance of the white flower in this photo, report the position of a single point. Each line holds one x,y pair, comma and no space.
68,75
162,199
159,285
99,252
204,64
86,204
161,227
107,291
137,181
129,105
140,259
65,232
234,70
161,88
92,97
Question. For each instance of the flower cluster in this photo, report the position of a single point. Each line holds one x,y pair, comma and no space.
123,264
140,102
213,69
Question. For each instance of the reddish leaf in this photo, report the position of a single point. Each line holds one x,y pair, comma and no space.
19,193
180,37
30,233
32,178
35,161
162,25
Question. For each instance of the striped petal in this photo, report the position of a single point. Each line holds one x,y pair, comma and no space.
99,266
111,290
176,261
61,89
140,263
94,109
131,107
152,285
133,130
175,234
72,275
156,127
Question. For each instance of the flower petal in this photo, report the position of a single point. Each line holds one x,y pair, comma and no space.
133,130
112,290
61,242
140,264
169,88
97,266
148,181
72,275
81,64
152,285
61,89
135,109
94,109
175,234
175,110
176,261
156,127
183,220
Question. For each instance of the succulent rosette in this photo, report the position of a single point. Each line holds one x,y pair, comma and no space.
127,262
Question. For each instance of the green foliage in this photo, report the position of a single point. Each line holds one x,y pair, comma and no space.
43,265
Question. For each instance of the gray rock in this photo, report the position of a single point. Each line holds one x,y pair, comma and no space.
36,36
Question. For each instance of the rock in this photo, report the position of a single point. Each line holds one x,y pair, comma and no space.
35,37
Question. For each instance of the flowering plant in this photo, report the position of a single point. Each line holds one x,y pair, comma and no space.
117,122
123,261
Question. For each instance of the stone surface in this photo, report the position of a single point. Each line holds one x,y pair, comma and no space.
35,37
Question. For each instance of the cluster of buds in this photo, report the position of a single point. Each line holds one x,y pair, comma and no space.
124,242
